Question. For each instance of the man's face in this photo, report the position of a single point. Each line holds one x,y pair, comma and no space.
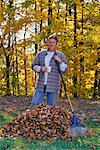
52,44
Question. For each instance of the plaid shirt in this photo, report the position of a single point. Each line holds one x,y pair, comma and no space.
53,83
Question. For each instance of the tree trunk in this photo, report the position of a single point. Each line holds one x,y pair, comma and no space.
49,13
8,54
82,17
8,75
13,82
96,91
66,13
95,85
75,59
58,9
36,45
25,71
70,12
41,12
81,84
8,63
17,74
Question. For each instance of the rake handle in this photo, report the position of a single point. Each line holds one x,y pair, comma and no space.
66,93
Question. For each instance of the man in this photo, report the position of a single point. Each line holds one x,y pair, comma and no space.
48,80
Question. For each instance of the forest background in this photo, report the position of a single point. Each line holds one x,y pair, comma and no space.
24,28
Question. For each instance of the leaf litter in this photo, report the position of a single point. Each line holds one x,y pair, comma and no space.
41,122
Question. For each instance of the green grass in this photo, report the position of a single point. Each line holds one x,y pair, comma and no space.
5,118
78,143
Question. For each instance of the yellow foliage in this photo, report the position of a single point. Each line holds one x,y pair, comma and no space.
30,20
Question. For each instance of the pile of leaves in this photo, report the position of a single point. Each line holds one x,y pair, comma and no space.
40,122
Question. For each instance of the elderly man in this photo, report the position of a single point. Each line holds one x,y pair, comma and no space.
48,79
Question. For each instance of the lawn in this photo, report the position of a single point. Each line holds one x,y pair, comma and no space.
90,142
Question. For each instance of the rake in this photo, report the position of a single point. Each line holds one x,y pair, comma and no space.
76,128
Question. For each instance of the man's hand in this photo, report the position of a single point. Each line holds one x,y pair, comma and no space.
57,58
44,69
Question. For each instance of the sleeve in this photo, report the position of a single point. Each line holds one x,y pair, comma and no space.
37,68
63,66
36,64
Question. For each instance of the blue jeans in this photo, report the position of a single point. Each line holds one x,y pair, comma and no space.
38,98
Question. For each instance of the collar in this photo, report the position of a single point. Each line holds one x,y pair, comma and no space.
56,51
48,50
